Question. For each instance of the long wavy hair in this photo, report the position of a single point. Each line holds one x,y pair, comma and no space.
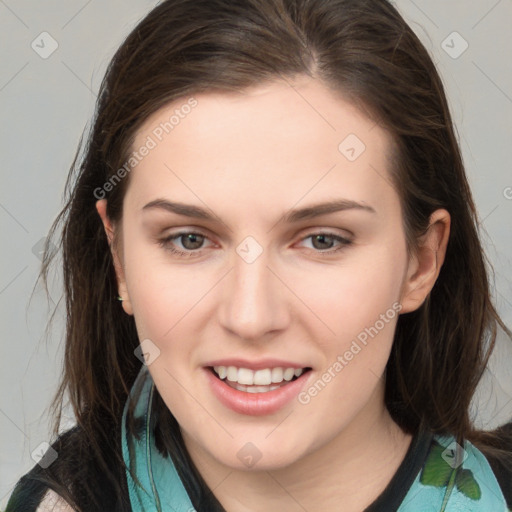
367,52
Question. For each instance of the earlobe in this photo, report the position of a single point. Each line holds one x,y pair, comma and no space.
425,265
101,207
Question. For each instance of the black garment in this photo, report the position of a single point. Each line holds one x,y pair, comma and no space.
73,451
31,488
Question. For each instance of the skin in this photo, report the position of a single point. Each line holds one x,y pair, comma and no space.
250,158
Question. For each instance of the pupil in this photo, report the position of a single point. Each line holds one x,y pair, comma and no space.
322,239
192,238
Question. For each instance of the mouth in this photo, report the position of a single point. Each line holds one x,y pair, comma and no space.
258,392
260,381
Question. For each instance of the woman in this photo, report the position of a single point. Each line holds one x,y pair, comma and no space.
274,193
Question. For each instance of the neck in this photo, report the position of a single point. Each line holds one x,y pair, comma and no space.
351,469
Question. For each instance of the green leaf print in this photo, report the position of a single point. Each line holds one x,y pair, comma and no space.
467,485
438,473
436,470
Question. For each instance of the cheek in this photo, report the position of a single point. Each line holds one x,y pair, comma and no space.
351,296
362,309
161,292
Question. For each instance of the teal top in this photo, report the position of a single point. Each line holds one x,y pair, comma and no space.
153,482
448,477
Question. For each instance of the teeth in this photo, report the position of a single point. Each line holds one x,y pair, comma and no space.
265,377
232,373
277,375
289,373
252,389
262,377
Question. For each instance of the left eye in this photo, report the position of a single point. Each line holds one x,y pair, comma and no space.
321,237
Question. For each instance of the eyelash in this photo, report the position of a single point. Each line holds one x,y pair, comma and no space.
165,243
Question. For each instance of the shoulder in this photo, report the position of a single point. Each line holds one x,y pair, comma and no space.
76,477
33,491
489,473
502,466
472,477
52,502
459,478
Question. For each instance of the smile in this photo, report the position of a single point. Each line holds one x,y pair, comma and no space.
259,392
260,381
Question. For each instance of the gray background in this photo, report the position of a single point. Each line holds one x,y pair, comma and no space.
46,103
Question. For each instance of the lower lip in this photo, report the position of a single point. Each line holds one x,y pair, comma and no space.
256,404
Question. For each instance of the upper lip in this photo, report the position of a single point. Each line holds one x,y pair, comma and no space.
256,365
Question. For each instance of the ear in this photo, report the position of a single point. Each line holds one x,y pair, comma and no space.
101,207
424,266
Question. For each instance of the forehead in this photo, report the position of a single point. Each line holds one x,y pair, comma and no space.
276,142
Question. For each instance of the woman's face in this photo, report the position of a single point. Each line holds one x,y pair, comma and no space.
268,278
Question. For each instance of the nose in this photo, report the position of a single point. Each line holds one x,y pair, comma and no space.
254,302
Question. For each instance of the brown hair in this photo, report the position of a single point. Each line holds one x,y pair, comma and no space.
368,53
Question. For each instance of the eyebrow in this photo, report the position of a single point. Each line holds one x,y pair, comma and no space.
294,215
